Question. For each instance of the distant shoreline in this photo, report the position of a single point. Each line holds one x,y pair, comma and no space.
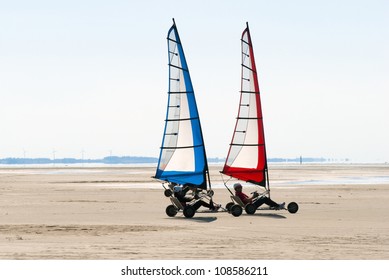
105,160
140,160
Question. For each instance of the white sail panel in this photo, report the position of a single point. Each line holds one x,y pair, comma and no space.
183,160
247,158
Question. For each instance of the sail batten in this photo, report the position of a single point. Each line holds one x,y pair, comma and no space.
183,147
253,92
182,157
245,66
179,120
246,144
246,159
246,43
183,69
179,92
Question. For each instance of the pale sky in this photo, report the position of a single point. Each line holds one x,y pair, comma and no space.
92,76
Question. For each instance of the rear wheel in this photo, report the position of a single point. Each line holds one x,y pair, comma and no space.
250,209
171,211
236,210
293,207
189,211
168,193
229,205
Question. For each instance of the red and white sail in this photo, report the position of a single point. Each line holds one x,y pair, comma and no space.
246,159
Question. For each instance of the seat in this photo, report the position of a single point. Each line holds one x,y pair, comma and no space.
238,201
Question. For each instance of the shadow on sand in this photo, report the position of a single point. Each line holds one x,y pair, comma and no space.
269,215
199,219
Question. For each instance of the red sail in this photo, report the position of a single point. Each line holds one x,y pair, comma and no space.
246,158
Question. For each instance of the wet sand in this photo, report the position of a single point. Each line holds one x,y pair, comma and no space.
119,213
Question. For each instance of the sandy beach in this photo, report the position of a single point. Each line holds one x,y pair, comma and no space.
119,213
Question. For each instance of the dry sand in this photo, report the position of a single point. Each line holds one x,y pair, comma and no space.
119,213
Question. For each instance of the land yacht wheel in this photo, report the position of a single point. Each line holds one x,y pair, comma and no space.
293,207
229,205
171,211
168,193
236,210
250,209
189,211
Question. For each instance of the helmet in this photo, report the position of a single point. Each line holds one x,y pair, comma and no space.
237,185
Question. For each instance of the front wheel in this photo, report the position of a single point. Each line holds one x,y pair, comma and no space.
293,207
236,210
189,211
168,193
229,205
171,211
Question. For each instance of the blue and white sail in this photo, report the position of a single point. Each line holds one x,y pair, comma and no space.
182,158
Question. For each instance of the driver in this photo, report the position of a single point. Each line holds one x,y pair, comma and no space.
254,200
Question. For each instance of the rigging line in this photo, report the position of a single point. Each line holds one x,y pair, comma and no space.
178,67
246,79
225,182
246,54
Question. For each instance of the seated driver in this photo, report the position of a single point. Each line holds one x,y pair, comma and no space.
181,194
257,202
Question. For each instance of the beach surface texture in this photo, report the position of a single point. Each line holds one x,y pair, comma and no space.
103,213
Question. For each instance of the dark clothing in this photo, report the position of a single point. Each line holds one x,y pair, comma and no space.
181,196
200,203
264,199
257,202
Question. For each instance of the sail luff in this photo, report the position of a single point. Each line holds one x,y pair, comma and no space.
182,157
246,159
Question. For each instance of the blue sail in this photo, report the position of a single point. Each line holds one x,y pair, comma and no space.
182,158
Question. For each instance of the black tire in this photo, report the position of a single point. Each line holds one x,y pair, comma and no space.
236,210
293,207
229,205
210,193
189,211
250,209
171,211
168,193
